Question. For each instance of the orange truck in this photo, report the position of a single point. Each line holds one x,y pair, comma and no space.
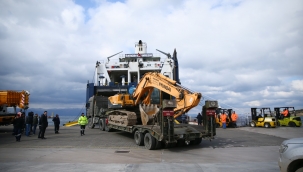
12,99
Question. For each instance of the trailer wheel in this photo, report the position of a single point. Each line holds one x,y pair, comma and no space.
91,124
149,141
198,141
180,142
101,124
139,138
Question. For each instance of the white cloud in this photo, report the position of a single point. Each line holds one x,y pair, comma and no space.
241,53
297,85
253,103
72,18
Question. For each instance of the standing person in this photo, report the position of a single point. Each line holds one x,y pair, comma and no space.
56,121
18,124
44,124
82,121
23,123
199,118
29,122
35,123
40,129
234,118
223,120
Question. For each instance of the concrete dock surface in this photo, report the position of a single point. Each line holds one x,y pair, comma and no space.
237,150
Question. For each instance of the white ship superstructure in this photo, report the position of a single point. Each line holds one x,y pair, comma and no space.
127,69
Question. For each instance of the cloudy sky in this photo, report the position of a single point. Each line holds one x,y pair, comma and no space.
243,53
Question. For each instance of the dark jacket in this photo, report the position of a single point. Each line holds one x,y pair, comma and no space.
29,118
18,122
199,117
56,120
35,120
43,121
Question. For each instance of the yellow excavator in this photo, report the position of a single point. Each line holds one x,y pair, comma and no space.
185,99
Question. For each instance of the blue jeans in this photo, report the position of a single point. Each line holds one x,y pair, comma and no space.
224,125
28,129
34,128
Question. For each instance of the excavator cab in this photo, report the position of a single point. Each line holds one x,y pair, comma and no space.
262,117
290,120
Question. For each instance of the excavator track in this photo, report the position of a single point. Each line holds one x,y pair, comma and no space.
122,118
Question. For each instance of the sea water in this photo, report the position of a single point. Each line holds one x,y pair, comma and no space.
63,120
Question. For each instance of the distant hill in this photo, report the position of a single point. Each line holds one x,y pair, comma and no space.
61,112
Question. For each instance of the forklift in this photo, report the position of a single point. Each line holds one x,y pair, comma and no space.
220,111
289,120
263,118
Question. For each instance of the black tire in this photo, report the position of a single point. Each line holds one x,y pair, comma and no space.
180,142
91,125
291,124
139,138
217,125
101,124
267,125
197,141
252,124
300,169
149,141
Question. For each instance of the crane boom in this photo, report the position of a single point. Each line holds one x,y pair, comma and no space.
10,98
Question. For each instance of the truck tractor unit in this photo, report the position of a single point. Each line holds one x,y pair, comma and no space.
290,120
262,117
12,99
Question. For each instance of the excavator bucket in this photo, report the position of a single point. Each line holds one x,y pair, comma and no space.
148,113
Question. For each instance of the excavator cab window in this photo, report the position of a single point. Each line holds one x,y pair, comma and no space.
155,97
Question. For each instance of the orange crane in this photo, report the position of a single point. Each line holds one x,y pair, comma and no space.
14,99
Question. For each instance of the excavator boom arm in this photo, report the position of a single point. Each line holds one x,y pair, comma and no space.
186,99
